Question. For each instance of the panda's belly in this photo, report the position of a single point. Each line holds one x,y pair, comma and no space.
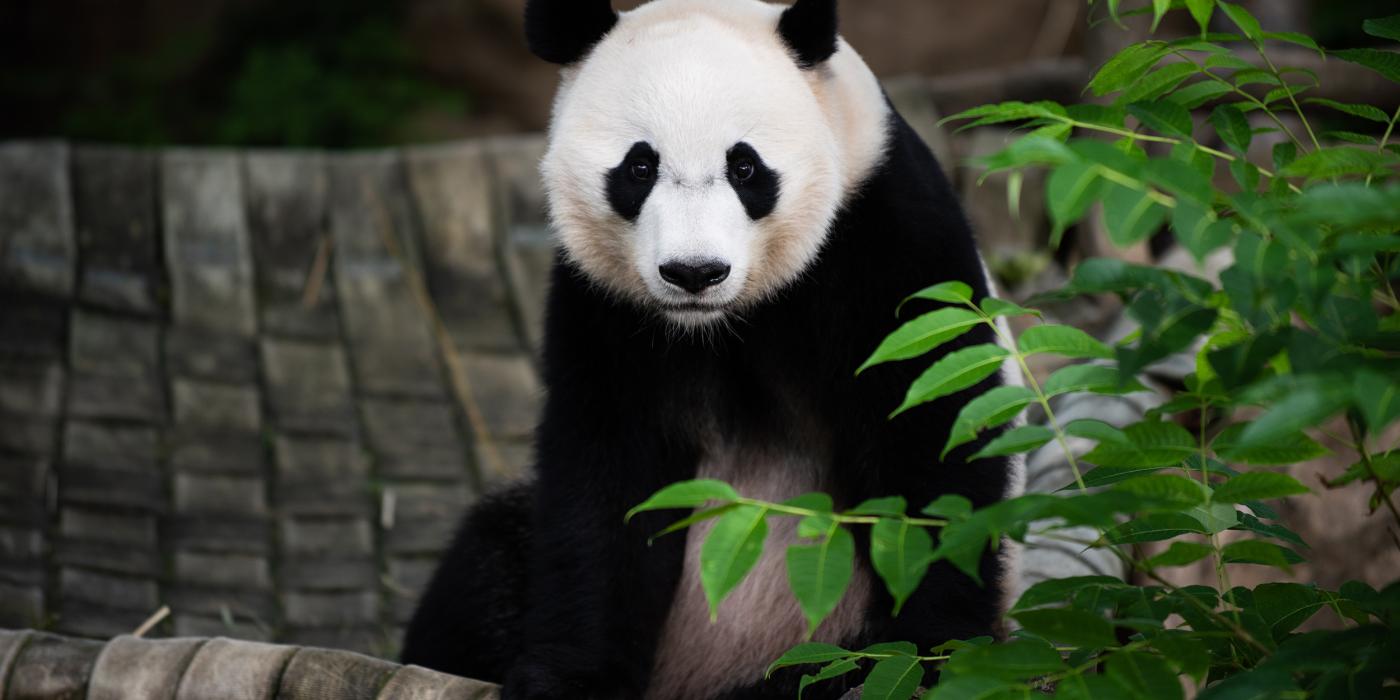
760,620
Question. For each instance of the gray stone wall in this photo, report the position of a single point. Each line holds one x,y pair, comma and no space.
221,388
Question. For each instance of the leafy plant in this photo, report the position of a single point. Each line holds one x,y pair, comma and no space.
1300,330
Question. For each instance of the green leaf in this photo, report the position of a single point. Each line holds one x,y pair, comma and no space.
1385,28
989,410
1065,341
1378,397
1356,110
809,653
1181,180
687,494
1180,553
1015,441
1152,444
1249,523
820,573
1383,62
1068,626
1165,117
955,372
947,292
900,553
1126,68
1215,517
892,506
1070,190
1259,552
1339,161
923,334
1058,590
894,679
1154,528
812,501
950,506
693,518
1199,231
1185,651
1258,486
1242,19
1016,660
1306,406
1105,476
730,551
1296,39
1260,684
1201,11
1144,676
1282,449
1091,429
1196,94
1158,82
1131,215
834,669
1097,379
1159,10
995,308
969,688
1008,112
1285,606
1166,489
1233,128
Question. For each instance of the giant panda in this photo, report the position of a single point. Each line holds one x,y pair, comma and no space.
740,210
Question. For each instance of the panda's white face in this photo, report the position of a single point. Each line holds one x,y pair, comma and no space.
693,166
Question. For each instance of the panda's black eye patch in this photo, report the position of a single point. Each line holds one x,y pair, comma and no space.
756,184
632,180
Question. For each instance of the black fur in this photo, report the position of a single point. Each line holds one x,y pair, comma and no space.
809,28
562,31
626,399
759,193
627,192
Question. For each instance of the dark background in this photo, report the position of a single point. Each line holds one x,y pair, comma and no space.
348,73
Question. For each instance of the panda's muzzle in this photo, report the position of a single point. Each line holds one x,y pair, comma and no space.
695,276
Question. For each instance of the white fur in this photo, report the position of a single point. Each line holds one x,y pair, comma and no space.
693,78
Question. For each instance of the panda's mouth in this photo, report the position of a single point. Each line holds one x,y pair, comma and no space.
693,307
693,314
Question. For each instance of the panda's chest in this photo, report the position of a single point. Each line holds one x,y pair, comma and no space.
760,619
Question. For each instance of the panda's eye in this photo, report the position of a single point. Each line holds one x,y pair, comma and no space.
742,170
641,170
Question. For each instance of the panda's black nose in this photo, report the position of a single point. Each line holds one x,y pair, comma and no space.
695,276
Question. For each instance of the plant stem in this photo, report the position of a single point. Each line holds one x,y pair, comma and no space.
1385,141
1227,157
1040,396
1293,99
838,517
1242,93
1360,446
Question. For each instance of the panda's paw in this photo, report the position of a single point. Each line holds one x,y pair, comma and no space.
536,681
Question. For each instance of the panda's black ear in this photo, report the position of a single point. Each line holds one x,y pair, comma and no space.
562,31
809,29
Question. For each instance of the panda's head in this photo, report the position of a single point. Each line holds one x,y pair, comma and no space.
700,149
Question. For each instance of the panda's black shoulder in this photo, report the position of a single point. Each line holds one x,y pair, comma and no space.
902,228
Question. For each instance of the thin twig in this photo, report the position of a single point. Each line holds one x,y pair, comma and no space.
152,621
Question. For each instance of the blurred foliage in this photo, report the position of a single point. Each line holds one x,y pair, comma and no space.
328,73
1337,24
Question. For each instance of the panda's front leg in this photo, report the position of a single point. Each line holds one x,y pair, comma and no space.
599,593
